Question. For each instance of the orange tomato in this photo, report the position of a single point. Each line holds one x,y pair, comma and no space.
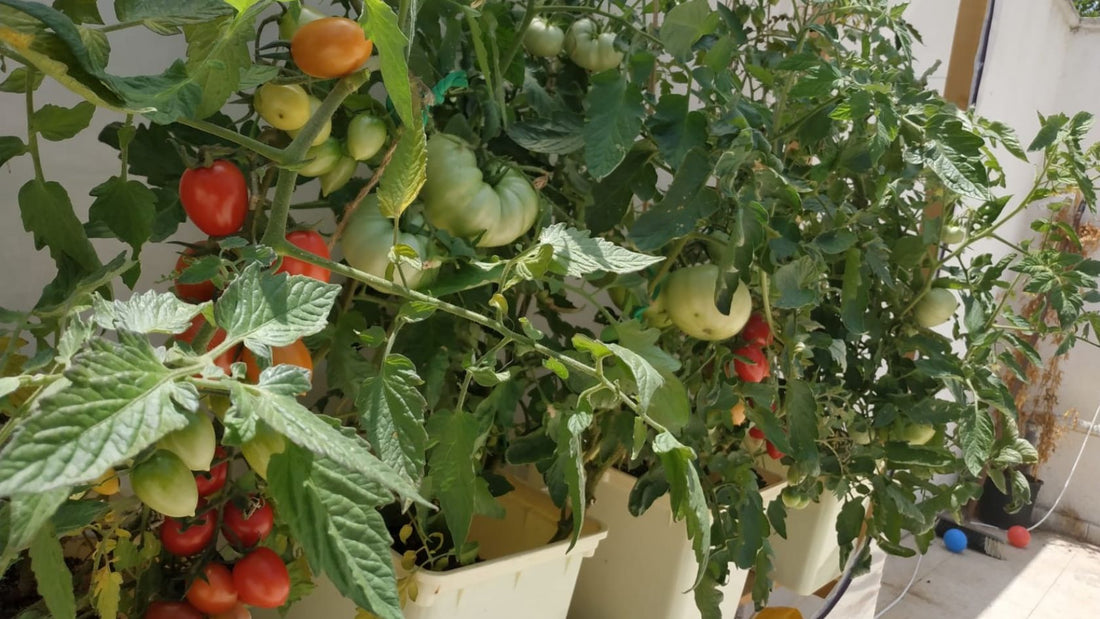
294,354
330,47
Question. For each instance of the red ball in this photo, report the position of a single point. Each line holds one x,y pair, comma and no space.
1019,536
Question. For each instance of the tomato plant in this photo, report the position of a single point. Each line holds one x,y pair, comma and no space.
330,47
214,590
184,538
367,134
224,360
543,39
312,242
172,610
164,483
258,450
754,366
193,444
215,197
757,332
294,354
687,300
935,308
368,240
590,49
209,482
261,579
248,527
195,293
240,611
283,106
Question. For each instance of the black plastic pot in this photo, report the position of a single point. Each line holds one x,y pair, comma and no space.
993,504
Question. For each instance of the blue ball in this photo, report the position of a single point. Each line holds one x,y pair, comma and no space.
955,540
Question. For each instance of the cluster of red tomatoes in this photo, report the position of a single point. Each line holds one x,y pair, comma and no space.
751,366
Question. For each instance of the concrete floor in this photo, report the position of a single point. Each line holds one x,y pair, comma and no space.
1054,578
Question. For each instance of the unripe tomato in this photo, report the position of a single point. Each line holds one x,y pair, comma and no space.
368,239
224,360
330,47
213,591
164,483
953,235
916,433
314,243
194,444
283,106
240,611
367,134
589,49
794,499
185,539
209,482
757,331
338,176
326,129
261,579
773,451
292,354
245,531
754,370
215,198
107,484
258,451
195,293
322,158
171,610
288,24
936,308
543,39
687,299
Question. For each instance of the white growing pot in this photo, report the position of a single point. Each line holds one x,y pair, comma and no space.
521,577
646,566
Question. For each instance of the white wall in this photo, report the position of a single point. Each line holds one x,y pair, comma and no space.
935,21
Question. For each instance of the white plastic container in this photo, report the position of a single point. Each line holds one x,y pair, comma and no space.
810,557
645,567
521,575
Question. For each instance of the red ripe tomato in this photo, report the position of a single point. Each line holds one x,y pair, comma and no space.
213,591
330,47
171,610
261,579
245,531
240,611
294,354
196,293
185,539
754,370
757,331
773,451
224,360
215,198
756,433
213,480
315,244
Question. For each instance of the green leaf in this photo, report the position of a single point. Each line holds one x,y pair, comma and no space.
217,52
798,283
615,113
568,432
1049,131
22,518
72,516
56,123
646,376
954,154
80,11
48,214
10,147
612,196
165,16
311,431
977,433
331,512
835,241
685,24
162,98
128,209
687,201
676,130
802,416
644,342
17,80
671,405
560,134
689,502
451,466
904,455
817,82
391,413
576,253
380,24
404,176
147,312
275,310
55,581
854,294
93,424
849,524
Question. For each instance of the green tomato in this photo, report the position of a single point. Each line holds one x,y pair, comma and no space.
367,134
165,484
936,308
368,238
687,299
289,23
193,444
794,499
953,235
283,106
322,158
257,452
458,199
339,175
543,39
916,433
326,130
591,50
859,437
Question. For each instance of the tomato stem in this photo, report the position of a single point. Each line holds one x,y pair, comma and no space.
32,134
277,155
